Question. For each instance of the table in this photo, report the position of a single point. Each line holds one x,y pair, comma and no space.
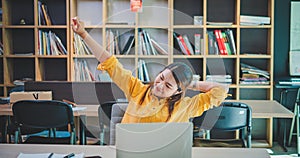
12,151
266,109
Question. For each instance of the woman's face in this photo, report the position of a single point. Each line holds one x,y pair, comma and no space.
164,84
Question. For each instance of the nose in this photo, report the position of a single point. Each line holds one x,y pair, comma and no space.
160,85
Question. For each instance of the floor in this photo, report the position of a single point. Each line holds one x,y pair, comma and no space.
279,151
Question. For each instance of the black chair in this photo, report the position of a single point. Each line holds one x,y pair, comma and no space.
49,115
229,116
5,120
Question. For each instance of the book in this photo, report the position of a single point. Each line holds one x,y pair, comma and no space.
147,43
145,71
128,45
197,43
159,49
220,42
212,47
231,41
184,44
219,23
150,44
252,19
188,44
179,43
226,43
46,14
59,44
219,78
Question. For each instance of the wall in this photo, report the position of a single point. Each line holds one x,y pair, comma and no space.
281,49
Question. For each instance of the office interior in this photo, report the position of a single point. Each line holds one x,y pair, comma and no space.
281,69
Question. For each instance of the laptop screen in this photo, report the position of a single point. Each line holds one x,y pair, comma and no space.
149,140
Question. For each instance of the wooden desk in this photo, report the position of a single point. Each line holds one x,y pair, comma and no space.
13,150
266,109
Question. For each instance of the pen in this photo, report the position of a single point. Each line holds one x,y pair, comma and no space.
51,154
69,155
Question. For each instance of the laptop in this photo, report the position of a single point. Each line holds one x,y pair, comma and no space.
154,140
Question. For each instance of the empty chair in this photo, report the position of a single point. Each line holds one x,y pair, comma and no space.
229,116
49,115
117,114
105,117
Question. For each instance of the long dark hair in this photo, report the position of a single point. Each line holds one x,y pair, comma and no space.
183,75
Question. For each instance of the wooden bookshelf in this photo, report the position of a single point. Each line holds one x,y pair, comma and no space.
159,18
20,36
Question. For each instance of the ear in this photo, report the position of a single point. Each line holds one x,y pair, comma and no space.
178,91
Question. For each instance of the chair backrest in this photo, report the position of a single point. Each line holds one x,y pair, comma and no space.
228,116
117,114
43,114
105,116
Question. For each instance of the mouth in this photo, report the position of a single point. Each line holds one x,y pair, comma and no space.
157,89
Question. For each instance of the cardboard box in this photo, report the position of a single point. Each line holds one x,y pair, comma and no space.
33,95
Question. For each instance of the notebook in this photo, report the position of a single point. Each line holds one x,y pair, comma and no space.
149,140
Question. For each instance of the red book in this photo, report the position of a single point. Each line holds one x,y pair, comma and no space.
184,44
220,42
223,42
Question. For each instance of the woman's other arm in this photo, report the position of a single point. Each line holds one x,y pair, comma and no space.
205,86
99,52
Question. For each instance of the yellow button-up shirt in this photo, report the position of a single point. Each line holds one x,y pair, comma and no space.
153,109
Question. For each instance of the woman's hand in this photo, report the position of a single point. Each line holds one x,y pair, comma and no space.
78,27
205,86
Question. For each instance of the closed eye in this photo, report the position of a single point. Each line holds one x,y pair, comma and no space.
168,85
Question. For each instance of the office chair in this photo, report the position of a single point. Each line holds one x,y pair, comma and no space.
105,115
49,115
5,121
117,113
229,116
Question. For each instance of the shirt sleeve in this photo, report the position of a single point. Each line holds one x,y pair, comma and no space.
204,101
130,85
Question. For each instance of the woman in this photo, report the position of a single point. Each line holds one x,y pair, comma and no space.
162,101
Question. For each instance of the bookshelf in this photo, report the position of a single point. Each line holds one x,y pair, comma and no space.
20,35
160,19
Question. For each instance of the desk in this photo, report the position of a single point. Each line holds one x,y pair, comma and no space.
266,109
12,151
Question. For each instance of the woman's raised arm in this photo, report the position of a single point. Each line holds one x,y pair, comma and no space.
99,52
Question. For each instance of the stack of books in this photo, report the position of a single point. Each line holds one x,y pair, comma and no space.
253,75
